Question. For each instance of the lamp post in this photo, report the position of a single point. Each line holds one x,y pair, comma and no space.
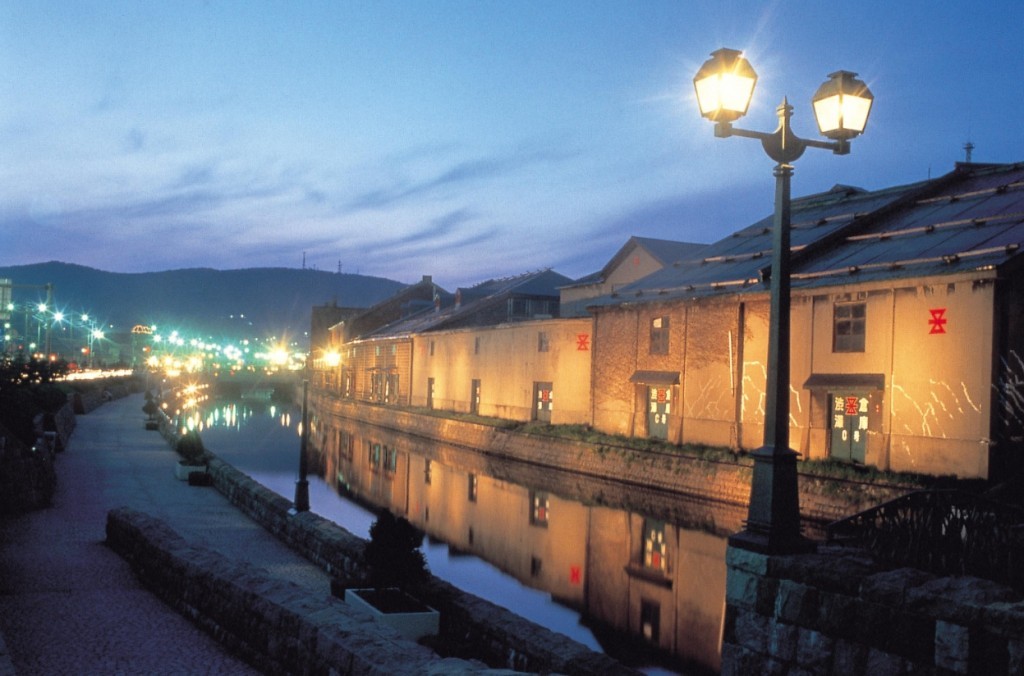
724,86
302,484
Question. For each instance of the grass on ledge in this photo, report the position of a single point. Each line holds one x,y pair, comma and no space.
603,442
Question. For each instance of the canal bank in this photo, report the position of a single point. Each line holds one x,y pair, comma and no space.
631,538
69,605
711,478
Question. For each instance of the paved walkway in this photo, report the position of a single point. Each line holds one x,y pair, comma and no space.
69,605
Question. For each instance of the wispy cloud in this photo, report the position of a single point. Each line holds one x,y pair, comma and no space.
459,174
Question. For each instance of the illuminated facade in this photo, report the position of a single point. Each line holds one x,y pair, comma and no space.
905,326
905,351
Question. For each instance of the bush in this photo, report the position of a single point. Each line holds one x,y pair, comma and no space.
190,447
393,555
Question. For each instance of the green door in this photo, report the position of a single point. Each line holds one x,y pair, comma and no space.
543,398
850,425
659,405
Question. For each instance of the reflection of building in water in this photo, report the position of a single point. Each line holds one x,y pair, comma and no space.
639,575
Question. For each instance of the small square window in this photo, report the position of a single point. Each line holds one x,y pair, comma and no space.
849,327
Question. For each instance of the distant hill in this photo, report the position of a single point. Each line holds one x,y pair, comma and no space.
220,303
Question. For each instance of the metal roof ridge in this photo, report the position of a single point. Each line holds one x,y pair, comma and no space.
910,197
931,227
948,259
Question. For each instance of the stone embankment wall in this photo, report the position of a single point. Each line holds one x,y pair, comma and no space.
271,623
485,631
61,424
835,612
28,478
321,541
725,482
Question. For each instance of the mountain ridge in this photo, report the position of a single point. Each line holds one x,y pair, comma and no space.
207,301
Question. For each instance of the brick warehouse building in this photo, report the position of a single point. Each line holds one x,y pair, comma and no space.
905,348
906,322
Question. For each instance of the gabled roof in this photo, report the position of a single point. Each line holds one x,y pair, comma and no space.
542,282
409,301
475,300
665,251
969,218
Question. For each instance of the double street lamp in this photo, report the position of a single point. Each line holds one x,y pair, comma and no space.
724,86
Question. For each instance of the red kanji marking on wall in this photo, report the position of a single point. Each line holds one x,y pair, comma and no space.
938,320
851,406
662,396
583,342
575,575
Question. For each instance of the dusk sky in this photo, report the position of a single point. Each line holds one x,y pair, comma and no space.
465,140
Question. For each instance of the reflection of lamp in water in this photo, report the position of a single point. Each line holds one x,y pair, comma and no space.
724,87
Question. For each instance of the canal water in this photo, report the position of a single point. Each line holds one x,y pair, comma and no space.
651,591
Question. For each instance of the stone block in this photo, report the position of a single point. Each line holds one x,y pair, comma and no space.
952,646
890,587
849,658
913,637
745,560
837,615
1015,656
782,640
741,588
767,592
881,663
835,570
814,650
751,632
1005,619
796,603
737,661
875,624
957,599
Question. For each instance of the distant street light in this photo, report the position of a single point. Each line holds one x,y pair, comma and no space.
724,87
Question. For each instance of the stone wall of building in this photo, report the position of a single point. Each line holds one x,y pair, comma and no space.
835,612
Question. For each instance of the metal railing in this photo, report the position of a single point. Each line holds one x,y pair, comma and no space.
946,532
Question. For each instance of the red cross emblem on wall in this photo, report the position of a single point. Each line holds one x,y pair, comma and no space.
938,320
575,575
583,342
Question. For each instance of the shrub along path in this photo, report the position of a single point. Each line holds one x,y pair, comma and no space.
70,605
